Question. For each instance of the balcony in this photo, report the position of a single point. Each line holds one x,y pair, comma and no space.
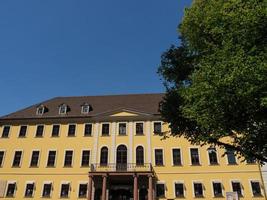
127,167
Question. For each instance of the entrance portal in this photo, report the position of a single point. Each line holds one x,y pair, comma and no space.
120,194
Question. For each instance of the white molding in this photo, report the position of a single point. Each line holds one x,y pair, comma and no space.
193,188
43,133
137,145
69,191
147,132
81,156
58,130
130,151
236,181
91,129
199,155
95,130
100,148
72,160
16,187
21,158
141,122
174,191
27,129
34,188
55,157
67,135
163,156
181,156
30,160
212,189
78,188
250,186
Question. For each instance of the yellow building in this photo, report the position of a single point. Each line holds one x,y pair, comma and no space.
110,147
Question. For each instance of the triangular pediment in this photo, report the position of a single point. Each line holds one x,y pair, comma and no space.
124,112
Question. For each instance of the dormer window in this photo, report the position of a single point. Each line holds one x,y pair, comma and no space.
40,110
62,109
85,108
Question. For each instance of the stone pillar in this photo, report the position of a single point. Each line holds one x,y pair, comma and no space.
104,187
90,188
135,187
150,187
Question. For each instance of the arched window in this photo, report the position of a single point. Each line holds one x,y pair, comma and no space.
121,157
139,155
104,156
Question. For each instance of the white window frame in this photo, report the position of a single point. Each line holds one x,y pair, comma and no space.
58,131
163,156
69,191
199,156
47,182
118,128
181,155
255,180
27,129
82,107
37,128
226,157
16,187
144,131
75,133
82,157
55,164
208,156
174,191
42,111
34,187
165,187
193,188
236,181
217,181
4,155
101,129
2,131
91,130
72,160
137,145
65,109
38,158
21,158
78,188
108,153
153,128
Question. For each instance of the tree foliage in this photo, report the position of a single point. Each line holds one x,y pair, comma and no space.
216,80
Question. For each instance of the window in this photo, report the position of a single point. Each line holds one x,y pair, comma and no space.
105,129
51,159
139,155
160,190
85,158
11,187
65,187
217,189
176,156
194,156
198,189
29,190
22,131
104,156
85,109
88,130
5,132
2,153
68,158
122,128
40,110
62,109
55,130
47,190
256,189
230,157
71,131
212,156
157,127
237,188
139,128
82,190
159,157
17,159
39,131
179,189
35,159
251,160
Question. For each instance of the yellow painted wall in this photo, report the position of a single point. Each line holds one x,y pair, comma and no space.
75,174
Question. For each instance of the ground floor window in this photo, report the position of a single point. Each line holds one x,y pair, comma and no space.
179,189
29,190
237,188
217,189
198,189
47,190
82,190
160,190
65,187
11,187
256,189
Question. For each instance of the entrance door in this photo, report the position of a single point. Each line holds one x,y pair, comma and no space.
120,194
121,162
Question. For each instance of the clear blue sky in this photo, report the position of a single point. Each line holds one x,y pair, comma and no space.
82,47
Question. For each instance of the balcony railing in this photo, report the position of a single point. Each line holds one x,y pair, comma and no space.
127,167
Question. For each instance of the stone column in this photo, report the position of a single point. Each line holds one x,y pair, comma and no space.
104,187
135,187
150,187
90,188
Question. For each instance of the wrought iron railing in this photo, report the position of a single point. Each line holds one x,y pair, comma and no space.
127,167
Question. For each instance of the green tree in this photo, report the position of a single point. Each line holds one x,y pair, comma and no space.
216,80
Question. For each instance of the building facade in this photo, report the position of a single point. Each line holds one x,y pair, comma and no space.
111,147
